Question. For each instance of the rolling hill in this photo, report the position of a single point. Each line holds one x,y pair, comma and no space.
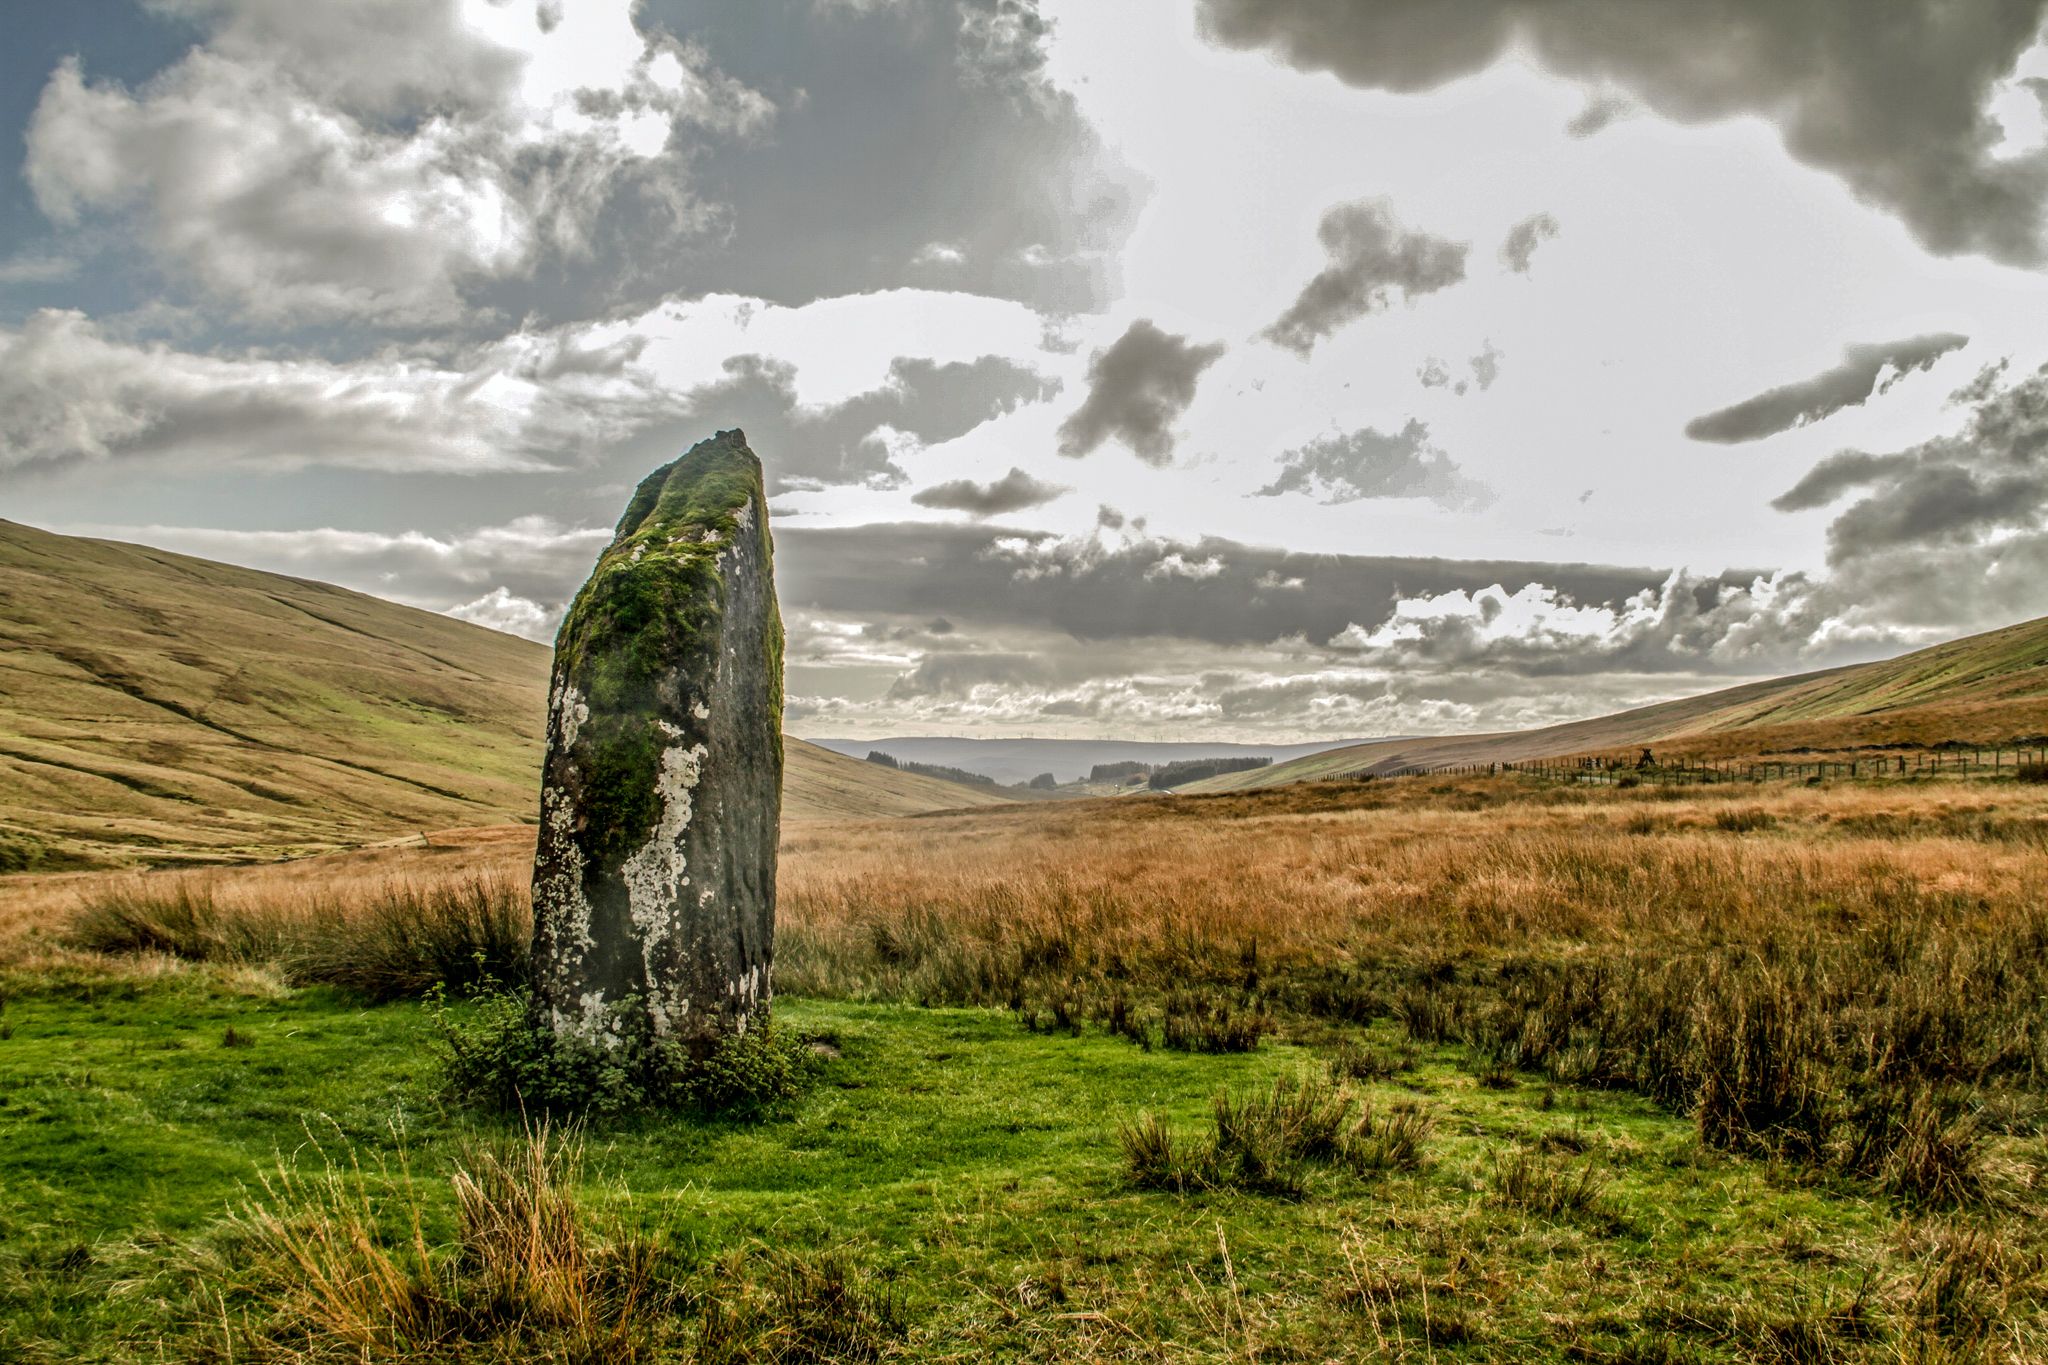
1990,688
158,708
1068,760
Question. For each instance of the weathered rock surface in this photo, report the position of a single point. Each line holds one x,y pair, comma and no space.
654,885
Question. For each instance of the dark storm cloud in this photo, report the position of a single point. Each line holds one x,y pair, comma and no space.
805,447
1014,492
1371,257
1372,464
1137,390
1975,491
1949,535
1890,98
1519,247
1865,370
1210,590
916,142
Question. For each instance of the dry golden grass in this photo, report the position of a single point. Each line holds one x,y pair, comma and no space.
1416,867
1406,868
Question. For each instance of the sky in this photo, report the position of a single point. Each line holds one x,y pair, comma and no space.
1261,370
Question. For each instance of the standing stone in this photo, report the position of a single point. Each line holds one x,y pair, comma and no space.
654,885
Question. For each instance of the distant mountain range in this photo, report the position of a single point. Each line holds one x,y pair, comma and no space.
1069,760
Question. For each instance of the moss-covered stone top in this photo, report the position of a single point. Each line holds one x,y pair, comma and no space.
642,636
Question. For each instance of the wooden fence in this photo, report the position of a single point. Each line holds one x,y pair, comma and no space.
1610,769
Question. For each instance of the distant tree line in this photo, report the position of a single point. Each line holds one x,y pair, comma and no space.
937,770
1179,774
1119,772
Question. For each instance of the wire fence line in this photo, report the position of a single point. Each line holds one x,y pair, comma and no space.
2026,761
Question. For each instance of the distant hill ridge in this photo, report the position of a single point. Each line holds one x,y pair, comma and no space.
1989,688
160,708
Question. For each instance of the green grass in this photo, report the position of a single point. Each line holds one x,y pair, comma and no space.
976,1163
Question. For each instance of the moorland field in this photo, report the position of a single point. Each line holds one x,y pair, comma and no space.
1503,1067
1533,1071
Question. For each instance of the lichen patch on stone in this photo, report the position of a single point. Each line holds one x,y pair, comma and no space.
656,874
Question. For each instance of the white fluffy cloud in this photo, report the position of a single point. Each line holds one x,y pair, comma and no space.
69,392
373,159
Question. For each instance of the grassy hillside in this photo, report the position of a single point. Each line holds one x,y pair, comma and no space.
1986,688
159,708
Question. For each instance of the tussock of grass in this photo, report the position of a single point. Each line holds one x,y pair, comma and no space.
327,1267
1265,1140
1549,1186
400,941
324,1269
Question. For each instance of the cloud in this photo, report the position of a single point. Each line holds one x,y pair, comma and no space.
847,442
1371,256
1976,490
1946,536
1602,109
1435,372
1111,586
1486,366
1014,492
37,267
1710,625
920,142
1896,109
1137,390
383,161
69,393
500,610
1372,464
1864,371
1519,247
614,395
959,674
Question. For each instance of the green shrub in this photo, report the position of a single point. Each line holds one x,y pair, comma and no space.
498,1055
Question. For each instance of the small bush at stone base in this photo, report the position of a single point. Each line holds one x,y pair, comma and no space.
499,1055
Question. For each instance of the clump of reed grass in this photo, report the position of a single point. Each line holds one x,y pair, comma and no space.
340,1266
325,1267
1266,1140
1195,1021
180,920
1549,1185
399,941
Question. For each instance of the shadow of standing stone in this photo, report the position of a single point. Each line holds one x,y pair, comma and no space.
661,798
